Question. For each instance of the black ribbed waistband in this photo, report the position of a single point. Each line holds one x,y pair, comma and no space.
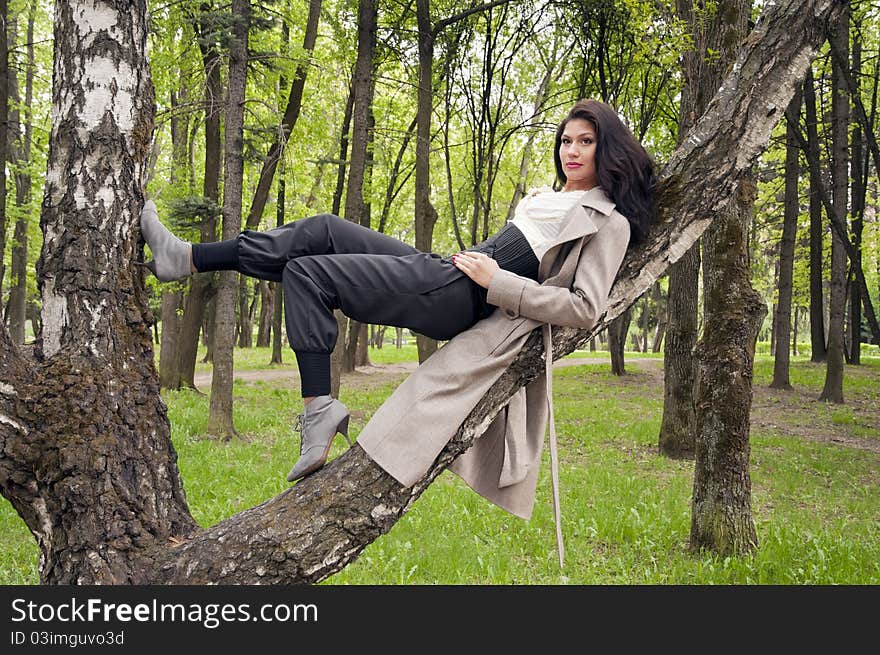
512,251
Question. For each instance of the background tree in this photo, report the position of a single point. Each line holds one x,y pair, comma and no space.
220,417
840,113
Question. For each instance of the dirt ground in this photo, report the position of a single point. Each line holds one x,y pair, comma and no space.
791,413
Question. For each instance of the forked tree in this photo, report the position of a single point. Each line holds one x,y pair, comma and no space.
85,451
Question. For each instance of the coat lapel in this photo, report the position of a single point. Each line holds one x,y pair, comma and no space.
580,221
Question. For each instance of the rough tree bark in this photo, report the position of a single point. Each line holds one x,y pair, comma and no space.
721,518
220,410
791,210
85,454
85,451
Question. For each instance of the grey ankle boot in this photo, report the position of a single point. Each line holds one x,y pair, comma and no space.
171,256
318,425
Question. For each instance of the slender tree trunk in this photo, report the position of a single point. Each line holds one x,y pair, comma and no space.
172,295
291,114
617,332
426,215
660,304
18,289
202,288
840,113
220,413
786,247
343,147
858,209
4,131
356,207
267,310
817,304
169,355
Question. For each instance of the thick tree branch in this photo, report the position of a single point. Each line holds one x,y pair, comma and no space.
321,524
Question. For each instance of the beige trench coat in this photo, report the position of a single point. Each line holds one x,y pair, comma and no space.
415,423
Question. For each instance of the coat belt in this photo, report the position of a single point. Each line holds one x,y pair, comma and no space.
554,455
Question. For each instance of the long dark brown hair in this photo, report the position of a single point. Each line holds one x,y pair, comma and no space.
624,168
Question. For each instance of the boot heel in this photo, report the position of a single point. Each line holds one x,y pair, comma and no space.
342,428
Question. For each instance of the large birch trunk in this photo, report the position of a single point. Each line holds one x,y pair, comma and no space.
85,454
87,459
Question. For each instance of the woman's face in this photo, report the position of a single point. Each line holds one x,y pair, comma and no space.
577,152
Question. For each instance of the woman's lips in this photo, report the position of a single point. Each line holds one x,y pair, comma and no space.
572,164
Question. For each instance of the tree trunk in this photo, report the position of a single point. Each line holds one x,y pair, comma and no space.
817,304
677,427
722,497
617,341
18,289
169,355
4,131
791,212
220,413
660,304
426,215
733,311
858,209
86,456
202,288
833,389
355,205
172,296
267,311
112,508
245,324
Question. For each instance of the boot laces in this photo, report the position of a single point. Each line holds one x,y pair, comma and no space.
298,427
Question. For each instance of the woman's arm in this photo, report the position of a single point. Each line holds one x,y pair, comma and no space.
579,307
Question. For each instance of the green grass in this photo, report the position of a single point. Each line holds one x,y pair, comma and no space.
626,510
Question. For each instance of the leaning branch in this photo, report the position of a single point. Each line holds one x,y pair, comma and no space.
322,523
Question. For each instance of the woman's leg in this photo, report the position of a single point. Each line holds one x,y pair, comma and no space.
264,254
417,291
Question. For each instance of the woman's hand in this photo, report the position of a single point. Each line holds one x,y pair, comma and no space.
477,266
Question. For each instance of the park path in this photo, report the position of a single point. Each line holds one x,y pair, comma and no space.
289,371
767,412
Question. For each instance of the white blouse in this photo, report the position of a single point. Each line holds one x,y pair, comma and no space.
539,216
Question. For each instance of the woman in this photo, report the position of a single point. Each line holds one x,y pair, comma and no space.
554,262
